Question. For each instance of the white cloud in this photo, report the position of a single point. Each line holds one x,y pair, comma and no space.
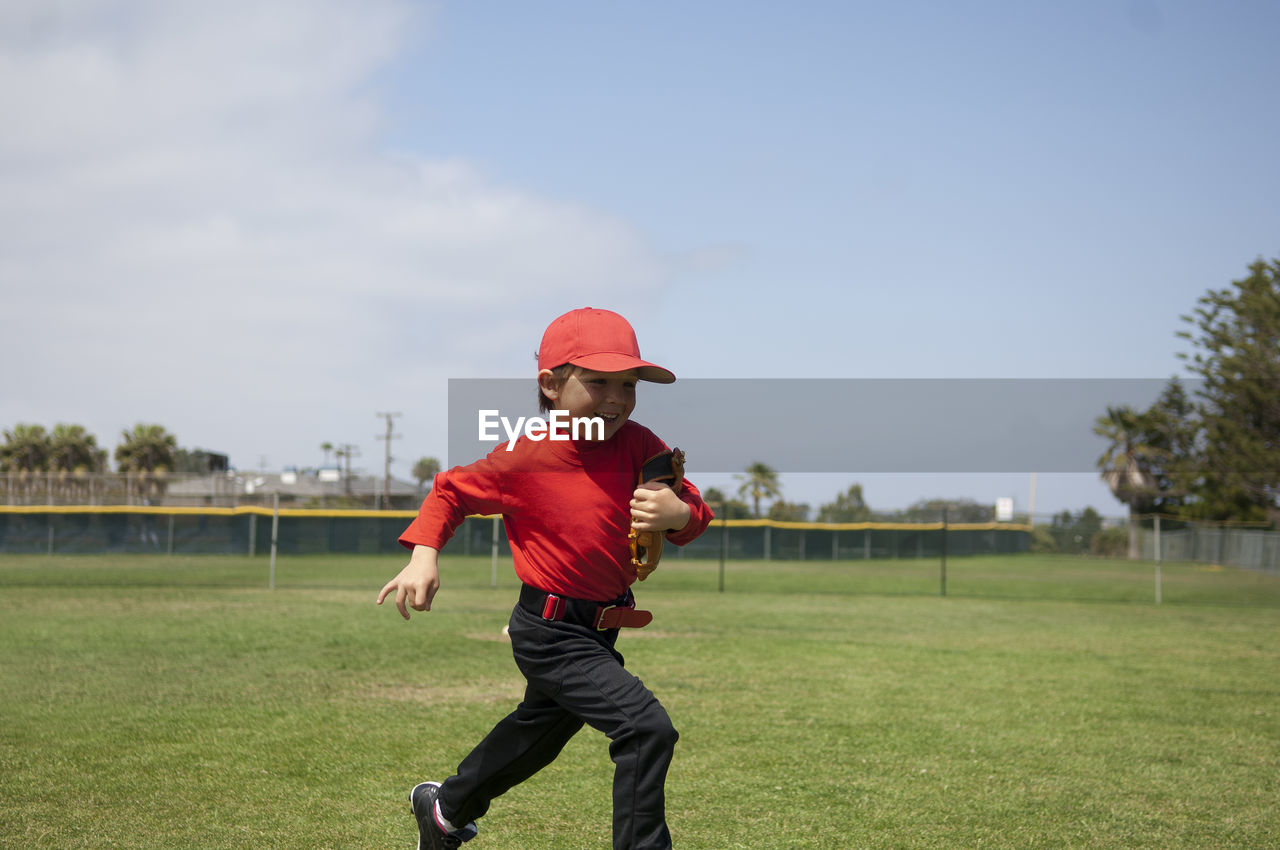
201,228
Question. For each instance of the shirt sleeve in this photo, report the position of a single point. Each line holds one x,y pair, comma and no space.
700,515
455,494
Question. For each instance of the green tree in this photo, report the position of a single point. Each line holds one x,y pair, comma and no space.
1235,337
1129,459
1129,462
1174,434
74,455
958,510
425,469
849,506
723,506
1074,533
25,449
1110,543
23,457
147,454
759,482
789,511
73,449
1151,461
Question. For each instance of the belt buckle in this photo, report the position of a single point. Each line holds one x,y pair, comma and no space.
553,607
604,609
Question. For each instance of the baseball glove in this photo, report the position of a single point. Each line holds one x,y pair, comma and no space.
646,546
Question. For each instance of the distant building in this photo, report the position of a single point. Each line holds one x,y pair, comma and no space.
323,488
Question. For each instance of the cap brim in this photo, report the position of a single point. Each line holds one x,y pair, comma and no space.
613,362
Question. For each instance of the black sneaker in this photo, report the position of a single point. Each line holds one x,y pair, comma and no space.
431,835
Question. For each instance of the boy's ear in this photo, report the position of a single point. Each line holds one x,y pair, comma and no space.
549,384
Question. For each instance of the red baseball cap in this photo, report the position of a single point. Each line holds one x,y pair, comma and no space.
599,340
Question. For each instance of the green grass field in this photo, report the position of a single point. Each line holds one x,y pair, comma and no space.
153,702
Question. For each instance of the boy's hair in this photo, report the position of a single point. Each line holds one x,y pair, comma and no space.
558,376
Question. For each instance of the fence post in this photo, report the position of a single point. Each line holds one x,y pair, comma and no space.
1158,593
169,547
724,546
944,551
275,535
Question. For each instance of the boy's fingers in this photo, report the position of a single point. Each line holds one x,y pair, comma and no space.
651,497
644,503
400,597
386,589
421,601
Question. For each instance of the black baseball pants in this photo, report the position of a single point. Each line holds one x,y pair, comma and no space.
574,676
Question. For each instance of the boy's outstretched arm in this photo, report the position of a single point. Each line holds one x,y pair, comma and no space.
417,583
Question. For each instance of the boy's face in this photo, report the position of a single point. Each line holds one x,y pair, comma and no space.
584,394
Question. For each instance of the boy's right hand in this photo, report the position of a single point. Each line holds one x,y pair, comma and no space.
417,583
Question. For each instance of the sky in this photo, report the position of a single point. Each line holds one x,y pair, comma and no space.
261,225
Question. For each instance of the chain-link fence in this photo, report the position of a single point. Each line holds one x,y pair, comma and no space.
187,531
248,530
1168,539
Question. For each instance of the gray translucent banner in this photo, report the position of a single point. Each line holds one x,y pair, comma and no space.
845,425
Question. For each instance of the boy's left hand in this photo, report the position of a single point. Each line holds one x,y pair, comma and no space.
656,507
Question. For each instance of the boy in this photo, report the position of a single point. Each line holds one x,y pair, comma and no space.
568,507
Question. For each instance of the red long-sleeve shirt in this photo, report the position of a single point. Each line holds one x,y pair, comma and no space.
565,505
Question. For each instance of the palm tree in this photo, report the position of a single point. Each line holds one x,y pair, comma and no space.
147,454
25,449
326,447
73,452
24,456
1128,463
425,469
72,449
759,482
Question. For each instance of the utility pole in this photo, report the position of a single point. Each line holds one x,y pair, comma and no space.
346,451
386,468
